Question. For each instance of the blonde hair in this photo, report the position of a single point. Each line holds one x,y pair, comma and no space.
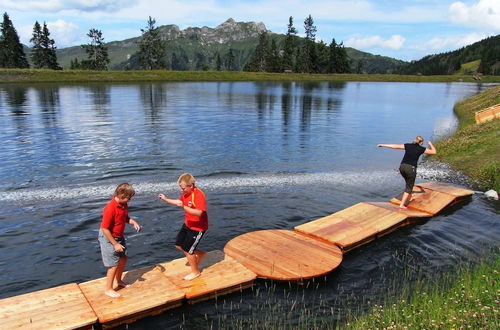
418,140
186,179
124,190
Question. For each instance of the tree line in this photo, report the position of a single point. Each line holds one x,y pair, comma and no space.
298,54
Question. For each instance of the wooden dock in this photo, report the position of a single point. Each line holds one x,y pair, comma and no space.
487,114
313,249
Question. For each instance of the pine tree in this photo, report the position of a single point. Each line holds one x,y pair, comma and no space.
11,50
97,53
257,62
309,58
152,49
289,46
230,60
218,63
338,61
273,58
43,53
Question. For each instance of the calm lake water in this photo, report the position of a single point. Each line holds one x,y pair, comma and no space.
268,156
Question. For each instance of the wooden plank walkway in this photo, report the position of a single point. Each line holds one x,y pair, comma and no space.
150,293
220,275
61,307
313,249
283,254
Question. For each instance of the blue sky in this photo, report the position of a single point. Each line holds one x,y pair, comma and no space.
406,30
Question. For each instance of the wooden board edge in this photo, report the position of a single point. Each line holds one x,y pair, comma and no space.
222,292
140,315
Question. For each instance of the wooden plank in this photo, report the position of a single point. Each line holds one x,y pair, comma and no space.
355,225
62,307
150,293
410,213
487,114
220,274
447,189
283,254
427,200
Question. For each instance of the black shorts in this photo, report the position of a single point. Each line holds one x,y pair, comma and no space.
409,173
188,239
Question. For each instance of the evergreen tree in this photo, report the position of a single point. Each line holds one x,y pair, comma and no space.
97,53
218,63
309,58
11,50
230,59
273,58
289,46
74,64
338,61
43,52
257,62
152,49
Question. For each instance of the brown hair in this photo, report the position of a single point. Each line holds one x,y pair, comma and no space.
124,190
186,179
418,140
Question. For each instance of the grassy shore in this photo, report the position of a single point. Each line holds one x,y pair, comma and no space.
467,301
38,75
473,149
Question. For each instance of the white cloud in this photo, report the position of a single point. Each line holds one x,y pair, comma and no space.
438,44
484,15
395,42
64,33
61,5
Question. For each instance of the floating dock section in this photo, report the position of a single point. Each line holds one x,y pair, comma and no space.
313,249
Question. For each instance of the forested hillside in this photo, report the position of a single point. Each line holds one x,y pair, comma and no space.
486,52
228,46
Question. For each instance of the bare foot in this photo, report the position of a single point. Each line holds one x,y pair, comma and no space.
191,276
403,207
112,294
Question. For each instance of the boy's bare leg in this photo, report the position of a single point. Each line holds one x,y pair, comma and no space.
110,277
193,262
200,255
119,272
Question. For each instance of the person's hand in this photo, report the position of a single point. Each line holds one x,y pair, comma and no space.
118,247
137,227
379,145
178,203
161,196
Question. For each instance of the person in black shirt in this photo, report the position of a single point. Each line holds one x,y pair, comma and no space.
408,167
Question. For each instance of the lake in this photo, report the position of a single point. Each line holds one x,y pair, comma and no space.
268,155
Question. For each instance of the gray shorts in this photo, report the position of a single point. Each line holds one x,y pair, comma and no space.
409,173
110,257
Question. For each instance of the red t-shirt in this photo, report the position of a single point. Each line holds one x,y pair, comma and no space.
114,217
195,200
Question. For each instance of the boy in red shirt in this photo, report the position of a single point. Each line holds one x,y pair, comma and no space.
193,203
111,239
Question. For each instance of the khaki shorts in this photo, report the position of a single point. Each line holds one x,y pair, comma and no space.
110,257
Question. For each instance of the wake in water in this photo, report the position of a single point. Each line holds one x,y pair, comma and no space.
430,171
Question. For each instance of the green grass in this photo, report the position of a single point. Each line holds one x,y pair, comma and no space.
39,75
473,149
469,302
469,68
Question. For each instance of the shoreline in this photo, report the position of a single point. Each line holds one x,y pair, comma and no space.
472,149
84,76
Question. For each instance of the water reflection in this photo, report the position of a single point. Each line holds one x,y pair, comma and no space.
16,98
101,99
154,98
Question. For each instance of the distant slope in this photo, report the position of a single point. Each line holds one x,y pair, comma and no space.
196,48
486,51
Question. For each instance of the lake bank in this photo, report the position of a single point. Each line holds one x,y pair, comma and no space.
473,149
41,75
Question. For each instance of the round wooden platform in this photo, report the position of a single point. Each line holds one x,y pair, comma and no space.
283,254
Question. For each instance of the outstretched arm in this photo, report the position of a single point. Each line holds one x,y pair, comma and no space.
431,150
175,202
392,146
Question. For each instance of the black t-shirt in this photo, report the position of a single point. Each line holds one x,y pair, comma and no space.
412,152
